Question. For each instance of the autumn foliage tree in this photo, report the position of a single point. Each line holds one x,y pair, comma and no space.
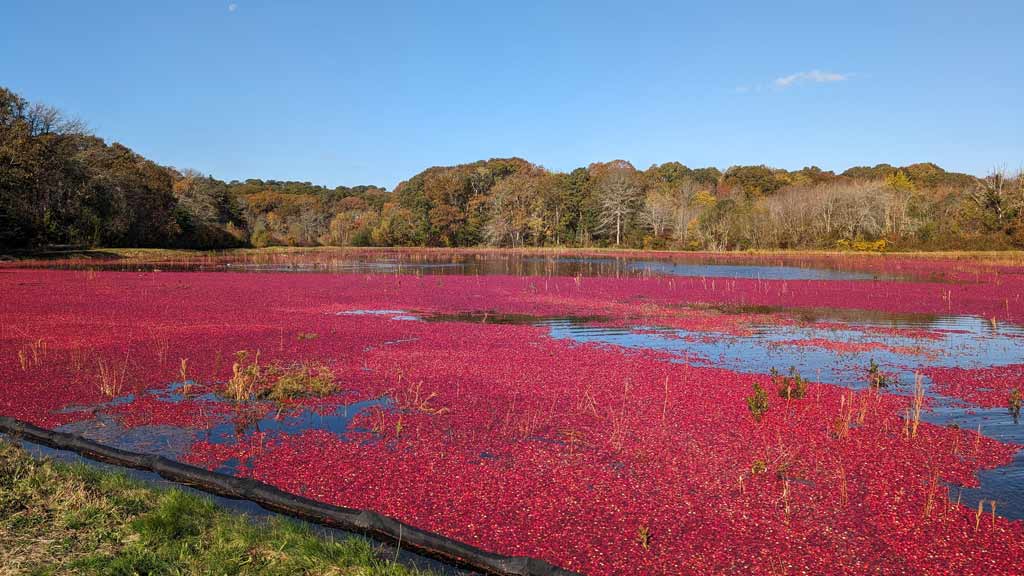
61,185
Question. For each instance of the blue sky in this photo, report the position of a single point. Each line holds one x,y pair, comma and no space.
373,92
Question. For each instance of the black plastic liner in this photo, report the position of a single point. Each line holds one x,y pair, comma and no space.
364,522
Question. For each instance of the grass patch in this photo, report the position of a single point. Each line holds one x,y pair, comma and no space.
251,380
58,518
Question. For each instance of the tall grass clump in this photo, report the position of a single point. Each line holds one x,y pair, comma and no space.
33,354
246,375
916,403
111,376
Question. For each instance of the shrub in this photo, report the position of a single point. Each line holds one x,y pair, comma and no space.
863,245
757,402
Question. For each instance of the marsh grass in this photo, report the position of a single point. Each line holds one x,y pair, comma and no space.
57,518
841,423
790,387
111,376
876,378
298,381
931,496
643,537
844,498
186,386
33,354
246,374
916,403
251,380
413,398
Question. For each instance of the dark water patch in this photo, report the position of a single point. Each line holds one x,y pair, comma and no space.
961,342
295,421
482,264
119,401
757,272
1004,485
171,442
492,317
178,392
876,318
174,442
477,317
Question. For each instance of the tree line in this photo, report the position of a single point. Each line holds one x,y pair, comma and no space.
60,185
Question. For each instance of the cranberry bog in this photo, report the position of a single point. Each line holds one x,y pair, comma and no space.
610,414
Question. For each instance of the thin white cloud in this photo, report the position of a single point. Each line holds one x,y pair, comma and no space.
816,76
232,7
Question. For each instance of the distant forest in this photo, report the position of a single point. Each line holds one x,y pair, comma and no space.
60,185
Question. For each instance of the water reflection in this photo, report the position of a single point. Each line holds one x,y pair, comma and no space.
174,442
487,263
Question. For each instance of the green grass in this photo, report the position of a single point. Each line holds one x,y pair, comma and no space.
58,518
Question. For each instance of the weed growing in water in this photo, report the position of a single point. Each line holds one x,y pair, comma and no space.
414,399
757,402
250,380
916,402
299,380
758,467
876,378
1015,402
246,375
643,536
32,355
930,497
38,349
843,496
790,387
111,377
183,373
